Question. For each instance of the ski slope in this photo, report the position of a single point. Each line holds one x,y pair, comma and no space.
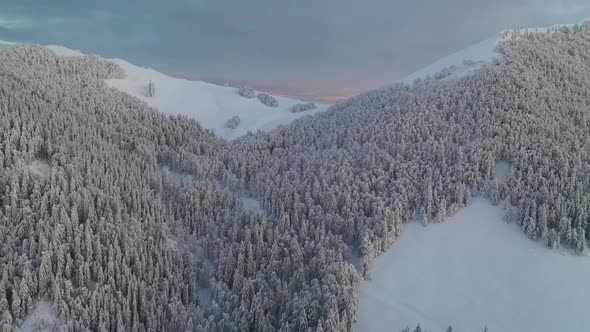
210,104
473,271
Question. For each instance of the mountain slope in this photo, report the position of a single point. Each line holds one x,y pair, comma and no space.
430,147
460,63
472,58
127,219
210,104
471,272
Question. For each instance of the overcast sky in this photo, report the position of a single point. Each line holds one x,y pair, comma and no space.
313,49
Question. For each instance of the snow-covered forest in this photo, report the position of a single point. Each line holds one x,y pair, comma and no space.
125,219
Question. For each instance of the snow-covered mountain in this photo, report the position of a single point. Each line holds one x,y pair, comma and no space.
460,63
173,228
471,58
212,105
474,270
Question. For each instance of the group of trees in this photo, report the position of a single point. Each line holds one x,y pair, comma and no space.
298,108
246,92
151,91
267,99
115,241
118,243
93,235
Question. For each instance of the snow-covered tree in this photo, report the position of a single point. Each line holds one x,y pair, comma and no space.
298,108
233,122
151,90
246,92
268,100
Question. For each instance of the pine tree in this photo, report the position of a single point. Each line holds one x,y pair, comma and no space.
151,91
45,273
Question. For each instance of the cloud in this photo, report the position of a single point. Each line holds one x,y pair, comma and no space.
4,43
14,23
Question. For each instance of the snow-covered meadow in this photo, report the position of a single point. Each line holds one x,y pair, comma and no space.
473,271
212,105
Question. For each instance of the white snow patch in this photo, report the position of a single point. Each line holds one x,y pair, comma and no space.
355,259
474,271
64,51
463,62
210,104
204,293
178,179
502,171
250,203
40,168
182,178
472,58
205,296
43,315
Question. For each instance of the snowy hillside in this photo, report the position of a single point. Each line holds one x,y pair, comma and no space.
112,210
471,58
475,271
460,63
210,104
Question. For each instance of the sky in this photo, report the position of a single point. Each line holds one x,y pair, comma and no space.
317,50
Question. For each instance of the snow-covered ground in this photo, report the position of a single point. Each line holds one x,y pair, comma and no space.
462,62
43,318
473,271
472,58
181,178
64,51
249,203
40,168
211,105
502,171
